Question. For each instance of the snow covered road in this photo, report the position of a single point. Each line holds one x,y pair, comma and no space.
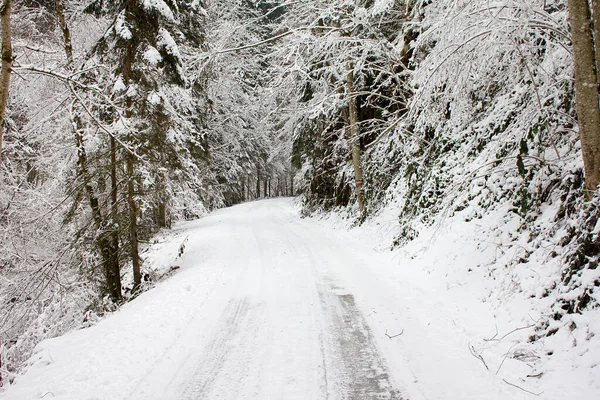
284,330
267,305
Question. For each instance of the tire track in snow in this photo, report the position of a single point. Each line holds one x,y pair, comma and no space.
353,368
285,279
229,352
359,371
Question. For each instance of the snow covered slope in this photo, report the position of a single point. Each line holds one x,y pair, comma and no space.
267,305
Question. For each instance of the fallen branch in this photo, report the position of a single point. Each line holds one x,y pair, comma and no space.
478,356
393,336
538,375
517,329
519,387
493,339
504,359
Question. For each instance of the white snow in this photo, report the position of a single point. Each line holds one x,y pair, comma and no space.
152,56
166,41
267,305
382,6
121,28
154,98
159,6
119,86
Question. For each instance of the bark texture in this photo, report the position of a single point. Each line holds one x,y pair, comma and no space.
595,4
133,228
586,87
354,137
7,59
64,27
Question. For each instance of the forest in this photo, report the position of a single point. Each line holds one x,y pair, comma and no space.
120,119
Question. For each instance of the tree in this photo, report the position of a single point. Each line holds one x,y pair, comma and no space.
79,115
242,140
354,137
43,266
66,32
342,67
152,108
104,223
7,59
586,49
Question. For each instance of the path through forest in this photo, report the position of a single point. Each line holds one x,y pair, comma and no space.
286,327
267,305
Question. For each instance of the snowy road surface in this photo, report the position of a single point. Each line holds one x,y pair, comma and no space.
282,328
267,305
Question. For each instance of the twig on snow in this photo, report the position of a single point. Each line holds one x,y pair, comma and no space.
538,375
393,336
519,387
478,356
504,359
517,329
493,337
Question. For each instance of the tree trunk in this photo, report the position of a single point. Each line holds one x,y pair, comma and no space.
106,244
7,59
64,27
161,215
265,186
243,190
115,267
586,88
354,136
161,193
133,229
131,8
596,24
292,182
258,182
108,238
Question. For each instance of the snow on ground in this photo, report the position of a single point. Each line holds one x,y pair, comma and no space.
267,305
486,278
